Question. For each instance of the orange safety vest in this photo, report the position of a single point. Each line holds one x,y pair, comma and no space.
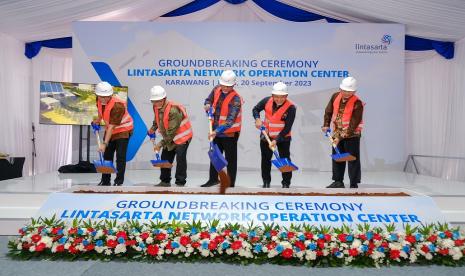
126,123
274,122
184,132
347,115
236,127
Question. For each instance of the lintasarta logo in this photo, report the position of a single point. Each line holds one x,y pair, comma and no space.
374,48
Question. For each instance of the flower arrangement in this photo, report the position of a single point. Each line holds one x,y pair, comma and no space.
268,243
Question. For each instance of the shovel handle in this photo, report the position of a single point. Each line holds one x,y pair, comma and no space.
263,130
98,144
210,123
331,139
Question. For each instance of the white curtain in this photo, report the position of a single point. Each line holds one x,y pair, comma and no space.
15,123
435,102
53,142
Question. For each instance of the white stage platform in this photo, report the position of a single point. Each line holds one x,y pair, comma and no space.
20,198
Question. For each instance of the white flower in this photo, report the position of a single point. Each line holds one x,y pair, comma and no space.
229,251
356,243
205,252
19,246
448,243
149,240
107,252
99,249
428,256
120,248
310,255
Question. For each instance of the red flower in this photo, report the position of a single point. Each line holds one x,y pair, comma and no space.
327,237
204,235
300,245
448,234
255,239
433,238
35,238
40,247
287,253
425,249
72,231
290,235
271,245
55,230
27,245
112,243
144,235
122,234
152,249
236,245
342,237
195,244
320,243
88,247
410,239
160,236
212,245
72,250
219,239
377,237
443,251
384,244
319,253
184,240
363,237
308,235
60,248
78,240
459,242
227,232
177,230
353,252
168,246
243,235
90,229
130,242
273,233
394,254
21,231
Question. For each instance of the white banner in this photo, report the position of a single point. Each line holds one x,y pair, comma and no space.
312,59
243,209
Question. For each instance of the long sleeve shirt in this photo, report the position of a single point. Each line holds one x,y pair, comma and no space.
234,108
355,120
174,121
116,115
288,118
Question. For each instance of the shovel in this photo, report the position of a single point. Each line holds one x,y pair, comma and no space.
283,164
216,157
338,156
102,166
157,162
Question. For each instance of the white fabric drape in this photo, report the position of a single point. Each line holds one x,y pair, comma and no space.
435,102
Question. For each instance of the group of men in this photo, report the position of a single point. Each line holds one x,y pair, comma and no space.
344,112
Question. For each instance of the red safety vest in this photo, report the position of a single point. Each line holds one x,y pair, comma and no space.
349,108
184,132
236,127
126,123
274,122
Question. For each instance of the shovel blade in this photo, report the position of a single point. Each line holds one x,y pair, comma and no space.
161,163
343,157
104,166
216,157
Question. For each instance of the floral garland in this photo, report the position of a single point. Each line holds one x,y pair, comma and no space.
196,241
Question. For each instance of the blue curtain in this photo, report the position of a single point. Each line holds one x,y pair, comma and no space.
445,49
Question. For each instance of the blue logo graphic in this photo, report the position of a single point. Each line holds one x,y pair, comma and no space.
387,39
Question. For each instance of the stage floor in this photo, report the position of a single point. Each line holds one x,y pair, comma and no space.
20,198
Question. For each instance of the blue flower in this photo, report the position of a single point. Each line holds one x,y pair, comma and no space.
432,247
194,231
406,249
60,232
364,248
205,245
44,231
135,231
121,240
349,238
455,235
258,248
369,235
169,230
235,233
225,245
156,231
110,232
279,248
174,244
321,236
80,231
380,249
268,235
212,229
296,249
93,233
283,235
63,240
142,245
99,243
252,234
393,237
301,237
442,235
418,236
85,242
311,246
337,253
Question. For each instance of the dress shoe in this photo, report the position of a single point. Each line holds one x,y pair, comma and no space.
210,184
336,184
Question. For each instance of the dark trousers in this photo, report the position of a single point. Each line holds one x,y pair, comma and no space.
120,146
352,146
267,154
180,151
228,145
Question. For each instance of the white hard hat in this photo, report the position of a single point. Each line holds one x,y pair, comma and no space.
103,89
348,84
279,88
157,93
228,78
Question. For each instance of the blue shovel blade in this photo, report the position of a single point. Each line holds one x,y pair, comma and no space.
216,157
104,166
341,157
284,165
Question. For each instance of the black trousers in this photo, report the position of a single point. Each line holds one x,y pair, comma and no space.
228,145
180,151
120,146
352,146
267,154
